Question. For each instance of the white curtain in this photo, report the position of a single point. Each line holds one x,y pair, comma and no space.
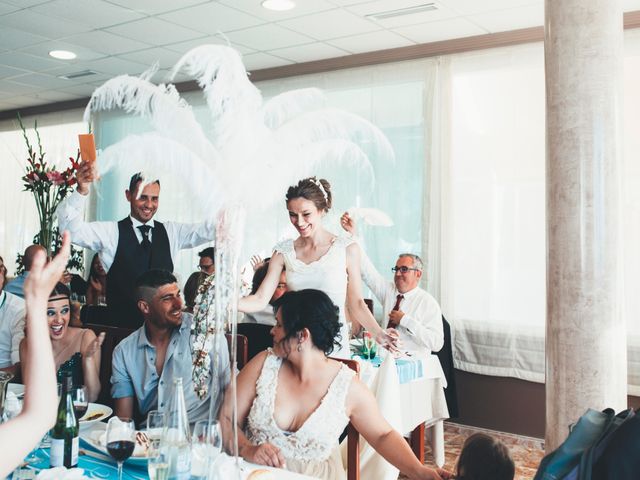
18,214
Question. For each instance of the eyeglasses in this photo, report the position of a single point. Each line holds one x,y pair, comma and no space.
205,267
404,269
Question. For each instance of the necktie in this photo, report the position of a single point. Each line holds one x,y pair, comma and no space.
396,307
144,229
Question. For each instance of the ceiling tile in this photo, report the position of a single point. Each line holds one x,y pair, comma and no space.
165,58
29,62
437,31
309,52
470,7
343,3
6,72
369,42
630,5
259,60
25,3
22,101
379,6
154,31
115,66
268,37
184,47
68,69
43,49
7,106
8,86
511,19
11,38
51,96
42,25
255,8
5,8
96,13
105,42
330,24
211,18
40,80
154,7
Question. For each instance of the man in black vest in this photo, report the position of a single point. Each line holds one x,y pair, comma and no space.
131,246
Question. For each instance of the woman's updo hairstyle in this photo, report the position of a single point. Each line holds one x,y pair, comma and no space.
60,290
314,190
313,310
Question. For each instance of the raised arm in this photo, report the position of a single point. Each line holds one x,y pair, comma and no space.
19,435
265,454
366,417
260,299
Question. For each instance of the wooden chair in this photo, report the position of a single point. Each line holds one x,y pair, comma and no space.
242,349
258,335
113,336
369,303
353,437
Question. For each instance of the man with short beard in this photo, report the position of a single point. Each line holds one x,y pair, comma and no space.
147,361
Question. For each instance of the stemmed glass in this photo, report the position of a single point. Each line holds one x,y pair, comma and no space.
206,445
121,440
155,425
80,403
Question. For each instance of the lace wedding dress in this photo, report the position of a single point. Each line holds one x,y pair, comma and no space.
312,449
328,273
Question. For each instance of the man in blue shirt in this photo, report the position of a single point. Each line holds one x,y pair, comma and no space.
147,361
16,285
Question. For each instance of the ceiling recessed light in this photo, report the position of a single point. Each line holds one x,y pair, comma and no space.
279,5
62,54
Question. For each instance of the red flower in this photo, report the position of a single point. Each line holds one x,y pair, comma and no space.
55,177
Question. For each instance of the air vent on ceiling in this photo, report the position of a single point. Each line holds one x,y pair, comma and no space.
83,73
425,7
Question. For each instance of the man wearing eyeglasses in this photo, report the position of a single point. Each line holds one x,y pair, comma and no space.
406,307
207,262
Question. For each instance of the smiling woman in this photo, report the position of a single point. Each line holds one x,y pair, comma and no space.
74,349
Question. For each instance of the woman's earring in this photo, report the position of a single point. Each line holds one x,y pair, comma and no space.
299,347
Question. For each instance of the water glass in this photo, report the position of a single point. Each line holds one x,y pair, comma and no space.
206,445
155,425
158,464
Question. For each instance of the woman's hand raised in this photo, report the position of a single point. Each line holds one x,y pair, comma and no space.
265,454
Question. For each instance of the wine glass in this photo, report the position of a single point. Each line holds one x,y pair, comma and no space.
80,404
155,425
121,440
206,445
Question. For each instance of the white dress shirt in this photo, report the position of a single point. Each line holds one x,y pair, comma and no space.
102,237
421,326
12,311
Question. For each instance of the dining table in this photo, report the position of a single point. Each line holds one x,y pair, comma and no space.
409,391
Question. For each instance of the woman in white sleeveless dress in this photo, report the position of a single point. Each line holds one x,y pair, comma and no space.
318,259
294,402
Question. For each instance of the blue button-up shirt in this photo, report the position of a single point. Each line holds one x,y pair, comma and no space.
134,371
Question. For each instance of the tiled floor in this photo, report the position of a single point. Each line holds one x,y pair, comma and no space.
526,451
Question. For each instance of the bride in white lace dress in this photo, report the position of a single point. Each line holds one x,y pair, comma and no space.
294,402
318,259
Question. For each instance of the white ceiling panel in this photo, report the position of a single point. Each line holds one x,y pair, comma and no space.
211,18
184,47
116,66
70,69
43,25
6,72
370,42
309,52
166,58
471,7
268,37
29,62
43,49
155,31
14,88
513,18
381,6
6,8
256,61
344,3
83,89
96,13
331,24
443,30
155,7
25,3
40,80
106,43
51,96
11,38
254,7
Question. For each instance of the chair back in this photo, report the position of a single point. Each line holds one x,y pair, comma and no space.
258,335
445,355
353,437
113,336
369,303
242,349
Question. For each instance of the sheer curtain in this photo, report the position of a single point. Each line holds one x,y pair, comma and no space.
18,213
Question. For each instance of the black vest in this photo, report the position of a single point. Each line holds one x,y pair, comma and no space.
131,261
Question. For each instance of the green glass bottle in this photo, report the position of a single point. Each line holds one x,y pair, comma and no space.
64,435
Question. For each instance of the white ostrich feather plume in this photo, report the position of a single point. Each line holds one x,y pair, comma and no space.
288,105
371,216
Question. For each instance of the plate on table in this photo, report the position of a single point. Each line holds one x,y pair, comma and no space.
95,413
96,438
16,388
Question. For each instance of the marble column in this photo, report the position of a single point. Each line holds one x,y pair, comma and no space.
586,364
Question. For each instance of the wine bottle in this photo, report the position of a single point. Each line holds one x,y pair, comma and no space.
64,435
176,435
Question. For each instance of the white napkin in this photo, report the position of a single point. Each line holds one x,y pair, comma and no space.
61,473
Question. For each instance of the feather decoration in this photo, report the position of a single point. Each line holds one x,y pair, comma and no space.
286,106
371,216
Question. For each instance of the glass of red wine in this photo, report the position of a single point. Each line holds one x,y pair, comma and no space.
80,403
121,440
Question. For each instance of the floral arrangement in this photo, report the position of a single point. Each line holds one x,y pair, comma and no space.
203,330
48,185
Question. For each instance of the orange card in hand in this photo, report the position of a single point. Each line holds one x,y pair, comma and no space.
87,147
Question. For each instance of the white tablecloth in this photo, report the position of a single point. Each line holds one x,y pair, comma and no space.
226,470
404,406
